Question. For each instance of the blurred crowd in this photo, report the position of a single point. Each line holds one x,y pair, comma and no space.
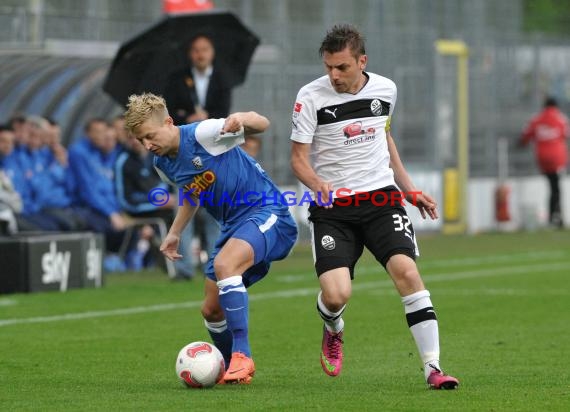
100,183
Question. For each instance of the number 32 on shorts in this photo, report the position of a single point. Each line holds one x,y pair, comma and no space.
401,222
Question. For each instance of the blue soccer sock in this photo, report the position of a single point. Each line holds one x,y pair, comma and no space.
221,337
234,303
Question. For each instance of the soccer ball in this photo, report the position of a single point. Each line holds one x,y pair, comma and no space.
200,365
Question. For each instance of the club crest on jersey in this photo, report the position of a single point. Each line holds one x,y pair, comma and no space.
197,162
328,243
376,107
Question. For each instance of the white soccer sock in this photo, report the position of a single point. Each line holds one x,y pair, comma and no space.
333,320
423,325
216,327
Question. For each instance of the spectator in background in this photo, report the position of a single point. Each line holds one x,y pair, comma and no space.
21,129
53,142
549,132
118,125
109,145
50,189
91,163
10,200
10,205
135,177
199,91
32,157
16,179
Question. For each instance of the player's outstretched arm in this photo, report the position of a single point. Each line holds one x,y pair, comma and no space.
252,122
424,202
184,214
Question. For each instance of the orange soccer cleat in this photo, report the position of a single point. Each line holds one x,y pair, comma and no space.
241,369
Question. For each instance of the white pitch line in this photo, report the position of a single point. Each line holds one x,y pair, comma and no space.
443,263
491,272
491,259
481,292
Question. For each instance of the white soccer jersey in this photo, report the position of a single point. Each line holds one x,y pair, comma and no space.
347,132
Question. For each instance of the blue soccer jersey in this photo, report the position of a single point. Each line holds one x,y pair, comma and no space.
211,166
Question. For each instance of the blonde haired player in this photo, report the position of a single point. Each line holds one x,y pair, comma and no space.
204,161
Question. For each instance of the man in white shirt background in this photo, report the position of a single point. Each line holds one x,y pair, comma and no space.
199,91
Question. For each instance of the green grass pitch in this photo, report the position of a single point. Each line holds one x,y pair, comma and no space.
503,302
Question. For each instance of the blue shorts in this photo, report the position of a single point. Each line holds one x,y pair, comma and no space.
270,232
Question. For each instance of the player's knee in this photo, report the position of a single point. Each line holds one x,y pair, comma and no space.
335,301
212,313
223,268
404,272
335,305
409,278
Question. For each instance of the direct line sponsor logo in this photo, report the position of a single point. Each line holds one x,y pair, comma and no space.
342,197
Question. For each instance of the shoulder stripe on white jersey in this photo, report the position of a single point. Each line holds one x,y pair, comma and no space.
355,109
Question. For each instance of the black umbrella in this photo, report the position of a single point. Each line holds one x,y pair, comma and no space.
144,63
